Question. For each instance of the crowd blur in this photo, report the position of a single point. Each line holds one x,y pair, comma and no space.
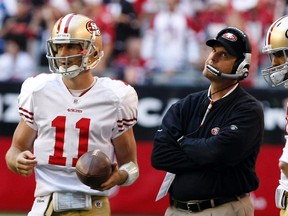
144,41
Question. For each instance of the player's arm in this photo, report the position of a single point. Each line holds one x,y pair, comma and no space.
284,167
125,150
19,157
126,169
283,160
125,147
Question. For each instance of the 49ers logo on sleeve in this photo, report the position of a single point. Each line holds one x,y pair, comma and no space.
92,27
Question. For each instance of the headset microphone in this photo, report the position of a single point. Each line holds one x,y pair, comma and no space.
216,72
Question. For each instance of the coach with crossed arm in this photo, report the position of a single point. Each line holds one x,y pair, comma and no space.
209,141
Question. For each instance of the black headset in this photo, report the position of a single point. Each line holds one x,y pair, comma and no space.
241,67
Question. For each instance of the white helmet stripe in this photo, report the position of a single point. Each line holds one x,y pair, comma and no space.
64,23
268,37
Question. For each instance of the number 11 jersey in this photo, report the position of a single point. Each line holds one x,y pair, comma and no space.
68,126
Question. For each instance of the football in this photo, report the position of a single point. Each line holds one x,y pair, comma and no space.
93,168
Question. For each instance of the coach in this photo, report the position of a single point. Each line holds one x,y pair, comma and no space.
209,141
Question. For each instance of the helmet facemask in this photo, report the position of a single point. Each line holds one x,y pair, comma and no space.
276,75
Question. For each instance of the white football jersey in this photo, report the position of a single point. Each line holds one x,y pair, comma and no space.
69,126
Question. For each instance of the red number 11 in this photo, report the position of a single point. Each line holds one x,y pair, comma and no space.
59,123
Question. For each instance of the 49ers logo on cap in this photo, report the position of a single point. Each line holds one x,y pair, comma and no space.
229,36
92,27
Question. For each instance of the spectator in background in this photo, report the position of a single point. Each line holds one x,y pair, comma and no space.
170,44
129,65
126,23
147,19
3,13
145,10
214,17
192,7
16,64
77,6
10,7
62,6
20,23
281,7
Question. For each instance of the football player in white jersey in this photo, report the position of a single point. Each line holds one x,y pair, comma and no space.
276,46
67,113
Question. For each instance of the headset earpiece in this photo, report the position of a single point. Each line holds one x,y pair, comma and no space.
241,66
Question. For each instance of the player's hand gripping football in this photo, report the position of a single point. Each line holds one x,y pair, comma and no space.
117,177
25,163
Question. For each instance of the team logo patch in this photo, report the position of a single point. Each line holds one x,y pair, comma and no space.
40,200
98,204
230,37
215,131
76,101
92,27
233,127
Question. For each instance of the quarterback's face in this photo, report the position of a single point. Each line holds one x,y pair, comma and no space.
68,50
278,58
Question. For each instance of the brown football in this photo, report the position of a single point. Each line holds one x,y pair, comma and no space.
93,168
